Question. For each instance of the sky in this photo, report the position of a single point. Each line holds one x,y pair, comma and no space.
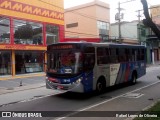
129,11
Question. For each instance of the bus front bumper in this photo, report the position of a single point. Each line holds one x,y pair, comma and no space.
74,87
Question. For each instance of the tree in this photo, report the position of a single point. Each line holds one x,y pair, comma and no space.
148,21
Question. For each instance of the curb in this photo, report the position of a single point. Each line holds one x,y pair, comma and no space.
22,76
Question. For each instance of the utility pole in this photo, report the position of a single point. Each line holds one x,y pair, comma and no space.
119,16
139,26
139,15
119,22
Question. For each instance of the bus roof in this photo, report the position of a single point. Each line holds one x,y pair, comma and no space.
99,44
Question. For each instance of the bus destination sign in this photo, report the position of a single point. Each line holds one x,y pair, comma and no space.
62,47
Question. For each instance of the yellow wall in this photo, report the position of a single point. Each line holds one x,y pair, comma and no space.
155,10
50,11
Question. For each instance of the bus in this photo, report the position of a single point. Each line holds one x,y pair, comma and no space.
85,67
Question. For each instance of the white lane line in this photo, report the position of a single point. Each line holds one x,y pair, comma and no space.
95,105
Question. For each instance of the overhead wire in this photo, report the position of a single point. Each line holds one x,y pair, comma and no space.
81,14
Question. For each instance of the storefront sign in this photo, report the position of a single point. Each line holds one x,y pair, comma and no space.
22,47
20,9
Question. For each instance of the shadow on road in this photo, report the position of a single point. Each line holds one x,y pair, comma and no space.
85,96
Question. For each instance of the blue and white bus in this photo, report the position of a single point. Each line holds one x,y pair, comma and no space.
85,67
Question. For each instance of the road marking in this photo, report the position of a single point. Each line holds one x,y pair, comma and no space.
95,105
133,95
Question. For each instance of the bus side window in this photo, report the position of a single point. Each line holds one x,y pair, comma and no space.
103,55
130,54
89,58
138,54
113,55
89,61
142,54
122,56
100,54
127,54
133,54
107,56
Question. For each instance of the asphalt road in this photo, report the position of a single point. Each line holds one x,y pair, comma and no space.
71,102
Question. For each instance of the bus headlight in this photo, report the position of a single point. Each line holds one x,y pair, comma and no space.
79,80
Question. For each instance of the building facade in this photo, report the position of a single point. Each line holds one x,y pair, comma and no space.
129,32
155,12
26,28
91,20
147,36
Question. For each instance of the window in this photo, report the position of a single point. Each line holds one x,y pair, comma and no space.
122,55
128,52
89,50
5,64
103,28
4,30
103,55
89,58
134,55
29,61
52,34
26,32
104,37
142,54
113,55
142,31
103,25
138,54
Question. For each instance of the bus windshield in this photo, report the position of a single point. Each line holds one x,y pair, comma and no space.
65,62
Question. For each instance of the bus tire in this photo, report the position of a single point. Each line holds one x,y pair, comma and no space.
134,78
101,85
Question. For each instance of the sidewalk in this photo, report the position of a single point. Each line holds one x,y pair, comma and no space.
155,64
10,84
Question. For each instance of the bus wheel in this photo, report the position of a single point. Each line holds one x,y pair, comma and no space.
100,86
134,79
